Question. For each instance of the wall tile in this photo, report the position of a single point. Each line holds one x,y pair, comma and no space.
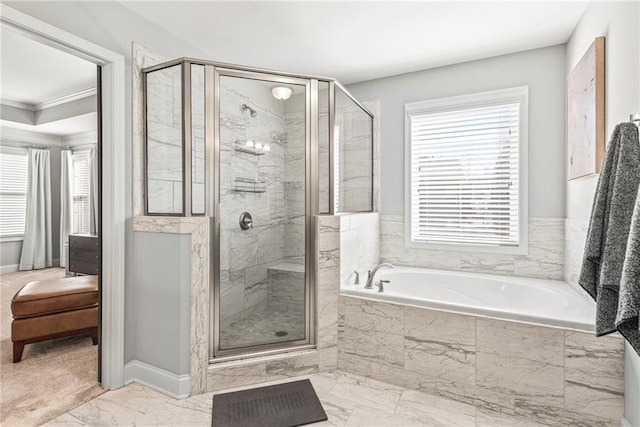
527,379
518,340
227,376
403,377
374,331
300,364
440,344
594,374
545,259
480,397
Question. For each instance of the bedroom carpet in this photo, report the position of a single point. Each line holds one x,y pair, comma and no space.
53,377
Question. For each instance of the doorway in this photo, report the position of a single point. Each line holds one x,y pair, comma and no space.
49,199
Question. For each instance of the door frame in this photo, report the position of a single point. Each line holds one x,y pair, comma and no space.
216,354
113,183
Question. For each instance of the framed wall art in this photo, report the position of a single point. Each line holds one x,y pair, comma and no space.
585,113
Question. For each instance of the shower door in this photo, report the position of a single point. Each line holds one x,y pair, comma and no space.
261,296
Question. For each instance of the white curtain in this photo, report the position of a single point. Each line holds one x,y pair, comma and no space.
37,246
93,193
66,202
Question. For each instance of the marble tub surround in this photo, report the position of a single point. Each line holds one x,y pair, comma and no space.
359,246
348,399
551,376
545,258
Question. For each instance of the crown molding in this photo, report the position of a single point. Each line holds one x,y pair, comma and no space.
21,136
65,99
16,104
51,103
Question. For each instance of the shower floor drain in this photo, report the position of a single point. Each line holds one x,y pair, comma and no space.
282,333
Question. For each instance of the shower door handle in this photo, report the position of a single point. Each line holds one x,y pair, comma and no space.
246,222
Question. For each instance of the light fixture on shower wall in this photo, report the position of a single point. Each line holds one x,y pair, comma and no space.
281,93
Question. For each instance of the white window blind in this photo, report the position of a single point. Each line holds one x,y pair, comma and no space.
14,178
464,175
81,192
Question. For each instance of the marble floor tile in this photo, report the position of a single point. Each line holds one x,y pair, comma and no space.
368,392
368,417
349,400
486,418
434,410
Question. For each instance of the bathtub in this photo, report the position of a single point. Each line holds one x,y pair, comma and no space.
536,301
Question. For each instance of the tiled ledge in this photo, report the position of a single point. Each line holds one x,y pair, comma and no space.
168,224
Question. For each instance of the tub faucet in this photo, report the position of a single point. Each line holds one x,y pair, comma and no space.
372,274
380,285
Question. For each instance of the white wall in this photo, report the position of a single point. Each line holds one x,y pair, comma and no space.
619,23
115,27
541,69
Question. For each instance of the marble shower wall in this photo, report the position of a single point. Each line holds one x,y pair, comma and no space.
246,255
549,376
225,375
359,246
294,183
545,259
164,145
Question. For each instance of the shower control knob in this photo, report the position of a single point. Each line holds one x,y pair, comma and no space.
246,222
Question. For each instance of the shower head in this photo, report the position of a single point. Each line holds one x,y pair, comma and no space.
253,112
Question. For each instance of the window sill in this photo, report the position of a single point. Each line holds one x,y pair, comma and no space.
11,239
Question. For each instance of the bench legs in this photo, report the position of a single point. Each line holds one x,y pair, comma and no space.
18,346
94,336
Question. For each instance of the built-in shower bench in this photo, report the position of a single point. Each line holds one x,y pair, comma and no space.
286,283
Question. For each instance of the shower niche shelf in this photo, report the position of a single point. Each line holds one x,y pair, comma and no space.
251,149
247,185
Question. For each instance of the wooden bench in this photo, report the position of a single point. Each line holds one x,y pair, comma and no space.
54,308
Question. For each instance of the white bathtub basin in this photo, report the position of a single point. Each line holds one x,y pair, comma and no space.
537,301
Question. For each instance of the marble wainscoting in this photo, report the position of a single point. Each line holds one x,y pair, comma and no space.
550,376
545,259
198,229
324,357
359,246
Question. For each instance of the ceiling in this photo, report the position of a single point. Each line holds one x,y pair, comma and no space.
34,73
357,41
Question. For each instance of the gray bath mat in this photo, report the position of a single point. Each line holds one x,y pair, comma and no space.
281,405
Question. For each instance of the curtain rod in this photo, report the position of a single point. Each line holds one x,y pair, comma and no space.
71,147
23,145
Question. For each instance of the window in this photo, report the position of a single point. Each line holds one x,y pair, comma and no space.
14,173
466,172
81,192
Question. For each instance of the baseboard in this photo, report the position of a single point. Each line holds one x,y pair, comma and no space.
176,386
4,269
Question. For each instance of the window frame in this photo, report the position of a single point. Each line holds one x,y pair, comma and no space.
85,156
481,99
25,152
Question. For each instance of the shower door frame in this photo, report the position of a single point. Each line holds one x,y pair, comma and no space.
212,126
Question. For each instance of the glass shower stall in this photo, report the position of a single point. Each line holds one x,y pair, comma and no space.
260,153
